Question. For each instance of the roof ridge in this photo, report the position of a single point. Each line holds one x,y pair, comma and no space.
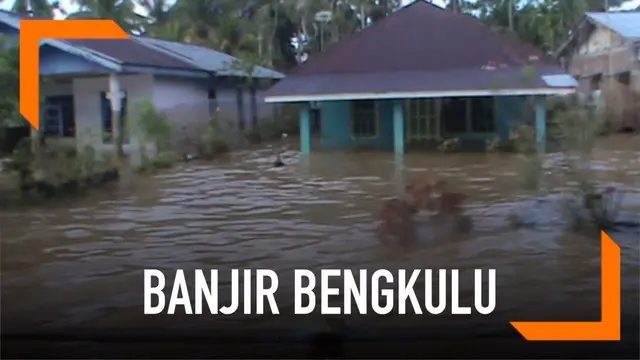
159,48
355,36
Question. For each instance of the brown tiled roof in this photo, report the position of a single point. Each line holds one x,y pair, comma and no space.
131,52
420,37
416,49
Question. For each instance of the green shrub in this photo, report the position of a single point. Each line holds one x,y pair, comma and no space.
164,160
212,142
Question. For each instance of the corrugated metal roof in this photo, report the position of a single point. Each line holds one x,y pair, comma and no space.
562,80
132,53
627,24
206,58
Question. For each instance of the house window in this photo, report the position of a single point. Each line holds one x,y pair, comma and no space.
59,116
421,118
107,129
596,81
454,115
625,78
482,114
212,96
364,119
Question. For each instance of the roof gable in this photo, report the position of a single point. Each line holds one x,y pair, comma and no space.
625,24
421,37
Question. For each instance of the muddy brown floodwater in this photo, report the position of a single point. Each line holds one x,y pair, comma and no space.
80,261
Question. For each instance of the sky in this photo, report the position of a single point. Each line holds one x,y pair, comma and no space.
70,7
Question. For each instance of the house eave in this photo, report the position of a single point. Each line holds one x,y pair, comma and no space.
419,94
138,69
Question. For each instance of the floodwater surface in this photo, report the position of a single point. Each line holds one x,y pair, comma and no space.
80,261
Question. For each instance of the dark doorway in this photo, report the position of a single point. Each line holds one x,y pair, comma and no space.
240,108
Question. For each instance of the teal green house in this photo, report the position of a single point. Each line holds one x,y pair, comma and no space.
421,76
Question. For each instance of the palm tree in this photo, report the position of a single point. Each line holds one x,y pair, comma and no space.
120,11
38,7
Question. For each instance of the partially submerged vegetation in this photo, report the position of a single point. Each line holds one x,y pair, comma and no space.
574,129
60,172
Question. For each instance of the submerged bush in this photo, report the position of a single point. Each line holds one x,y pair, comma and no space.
576,128
57,171
153,128
212,141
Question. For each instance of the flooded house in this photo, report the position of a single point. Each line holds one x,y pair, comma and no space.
421,76
605,48
188,83
603,54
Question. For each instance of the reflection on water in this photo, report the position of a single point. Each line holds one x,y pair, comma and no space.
81,260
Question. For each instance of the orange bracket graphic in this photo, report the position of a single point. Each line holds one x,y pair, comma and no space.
607,329
31,33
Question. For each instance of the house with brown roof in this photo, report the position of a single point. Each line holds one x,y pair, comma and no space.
188,83
419,76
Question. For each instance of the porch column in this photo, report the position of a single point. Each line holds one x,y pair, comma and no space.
305,129
115,99
398,127
541,123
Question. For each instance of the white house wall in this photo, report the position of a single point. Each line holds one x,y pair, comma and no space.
86,101
600,40
185,102
227,103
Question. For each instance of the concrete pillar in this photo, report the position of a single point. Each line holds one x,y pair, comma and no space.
305,129
541,123
115,96
398,127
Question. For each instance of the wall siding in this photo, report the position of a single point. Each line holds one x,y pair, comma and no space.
336,132
336,127
185,103
57,62
86,101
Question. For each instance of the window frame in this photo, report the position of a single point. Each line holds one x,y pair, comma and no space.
375,121
433,106
66,125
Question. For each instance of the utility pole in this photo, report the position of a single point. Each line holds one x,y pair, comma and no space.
29,8
323,18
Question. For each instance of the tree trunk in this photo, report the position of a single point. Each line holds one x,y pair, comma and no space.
454,6
511,9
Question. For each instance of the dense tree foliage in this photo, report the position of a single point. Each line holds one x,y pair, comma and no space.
262,30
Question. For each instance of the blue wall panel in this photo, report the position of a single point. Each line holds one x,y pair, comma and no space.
336,127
